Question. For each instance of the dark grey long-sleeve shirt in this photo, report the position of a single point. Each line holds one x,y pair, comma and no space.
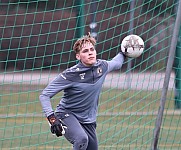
81,86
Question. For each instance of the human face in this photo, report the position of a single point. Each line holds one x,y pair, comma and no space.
87,54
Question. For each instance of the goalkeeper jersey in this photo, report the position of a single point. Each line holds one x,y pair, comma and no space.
81,86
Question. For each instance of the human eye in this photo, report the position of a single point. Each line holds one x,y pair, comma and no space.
92,49
85,51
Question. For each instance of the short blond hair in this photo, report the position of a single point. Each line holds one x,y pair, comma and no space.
80,42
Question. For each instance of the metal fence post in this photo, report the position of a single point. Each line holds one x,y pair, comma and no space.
80,18
177,68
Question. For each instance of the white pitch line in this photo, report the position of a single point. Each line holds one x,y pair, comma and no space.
147,81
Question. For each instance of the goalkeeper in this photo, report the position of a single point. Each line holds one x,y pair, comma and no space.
75,115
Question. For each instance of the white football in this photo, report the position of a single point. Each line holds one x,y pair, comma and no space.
132,46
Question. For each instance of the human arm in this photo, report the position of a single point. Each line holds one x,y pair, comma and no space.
55,86
116,63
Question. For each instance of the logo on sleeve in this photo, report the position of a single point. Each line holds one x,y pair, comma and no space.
77,69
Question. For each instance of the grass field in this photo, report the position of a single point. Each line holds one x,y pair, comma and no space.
126,120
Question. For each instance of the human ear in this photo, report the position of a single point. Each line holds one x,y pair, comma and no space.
78,56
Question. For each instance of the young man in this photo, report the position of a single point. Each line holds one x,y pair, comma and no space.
75,115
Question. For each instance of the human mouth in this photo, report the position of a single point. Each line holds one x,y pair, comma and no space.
91,58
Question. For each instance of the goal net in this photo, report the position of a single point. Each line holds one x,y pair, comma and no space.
36,45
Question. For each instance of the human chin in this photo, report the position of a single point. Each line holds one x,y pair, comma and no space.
90,63
93,61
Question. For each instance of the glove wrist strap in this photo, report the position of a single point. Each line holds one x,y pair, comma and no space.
51,118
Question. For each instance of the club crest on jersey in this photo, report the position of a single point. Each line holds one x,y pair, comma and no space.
82,76
99,71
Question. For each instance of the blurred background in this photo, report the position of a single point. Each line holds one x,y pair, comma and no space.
39,34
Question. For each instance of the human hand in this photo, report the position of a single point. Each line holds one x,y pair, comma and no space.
56,125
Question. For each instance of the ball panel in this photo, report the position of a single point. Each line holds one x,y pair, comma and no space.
132,46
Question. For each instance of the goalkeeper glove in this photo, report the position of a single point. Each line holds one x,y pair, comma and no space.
56,125
125,56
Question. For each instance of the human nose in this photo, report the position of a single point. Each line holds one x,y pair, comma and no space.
90,52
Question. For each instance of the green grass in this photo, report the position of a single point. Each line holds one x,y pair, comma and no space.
126,120
130,132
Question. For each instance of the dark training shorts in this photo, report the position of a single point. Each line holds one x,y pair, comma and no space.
82,136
